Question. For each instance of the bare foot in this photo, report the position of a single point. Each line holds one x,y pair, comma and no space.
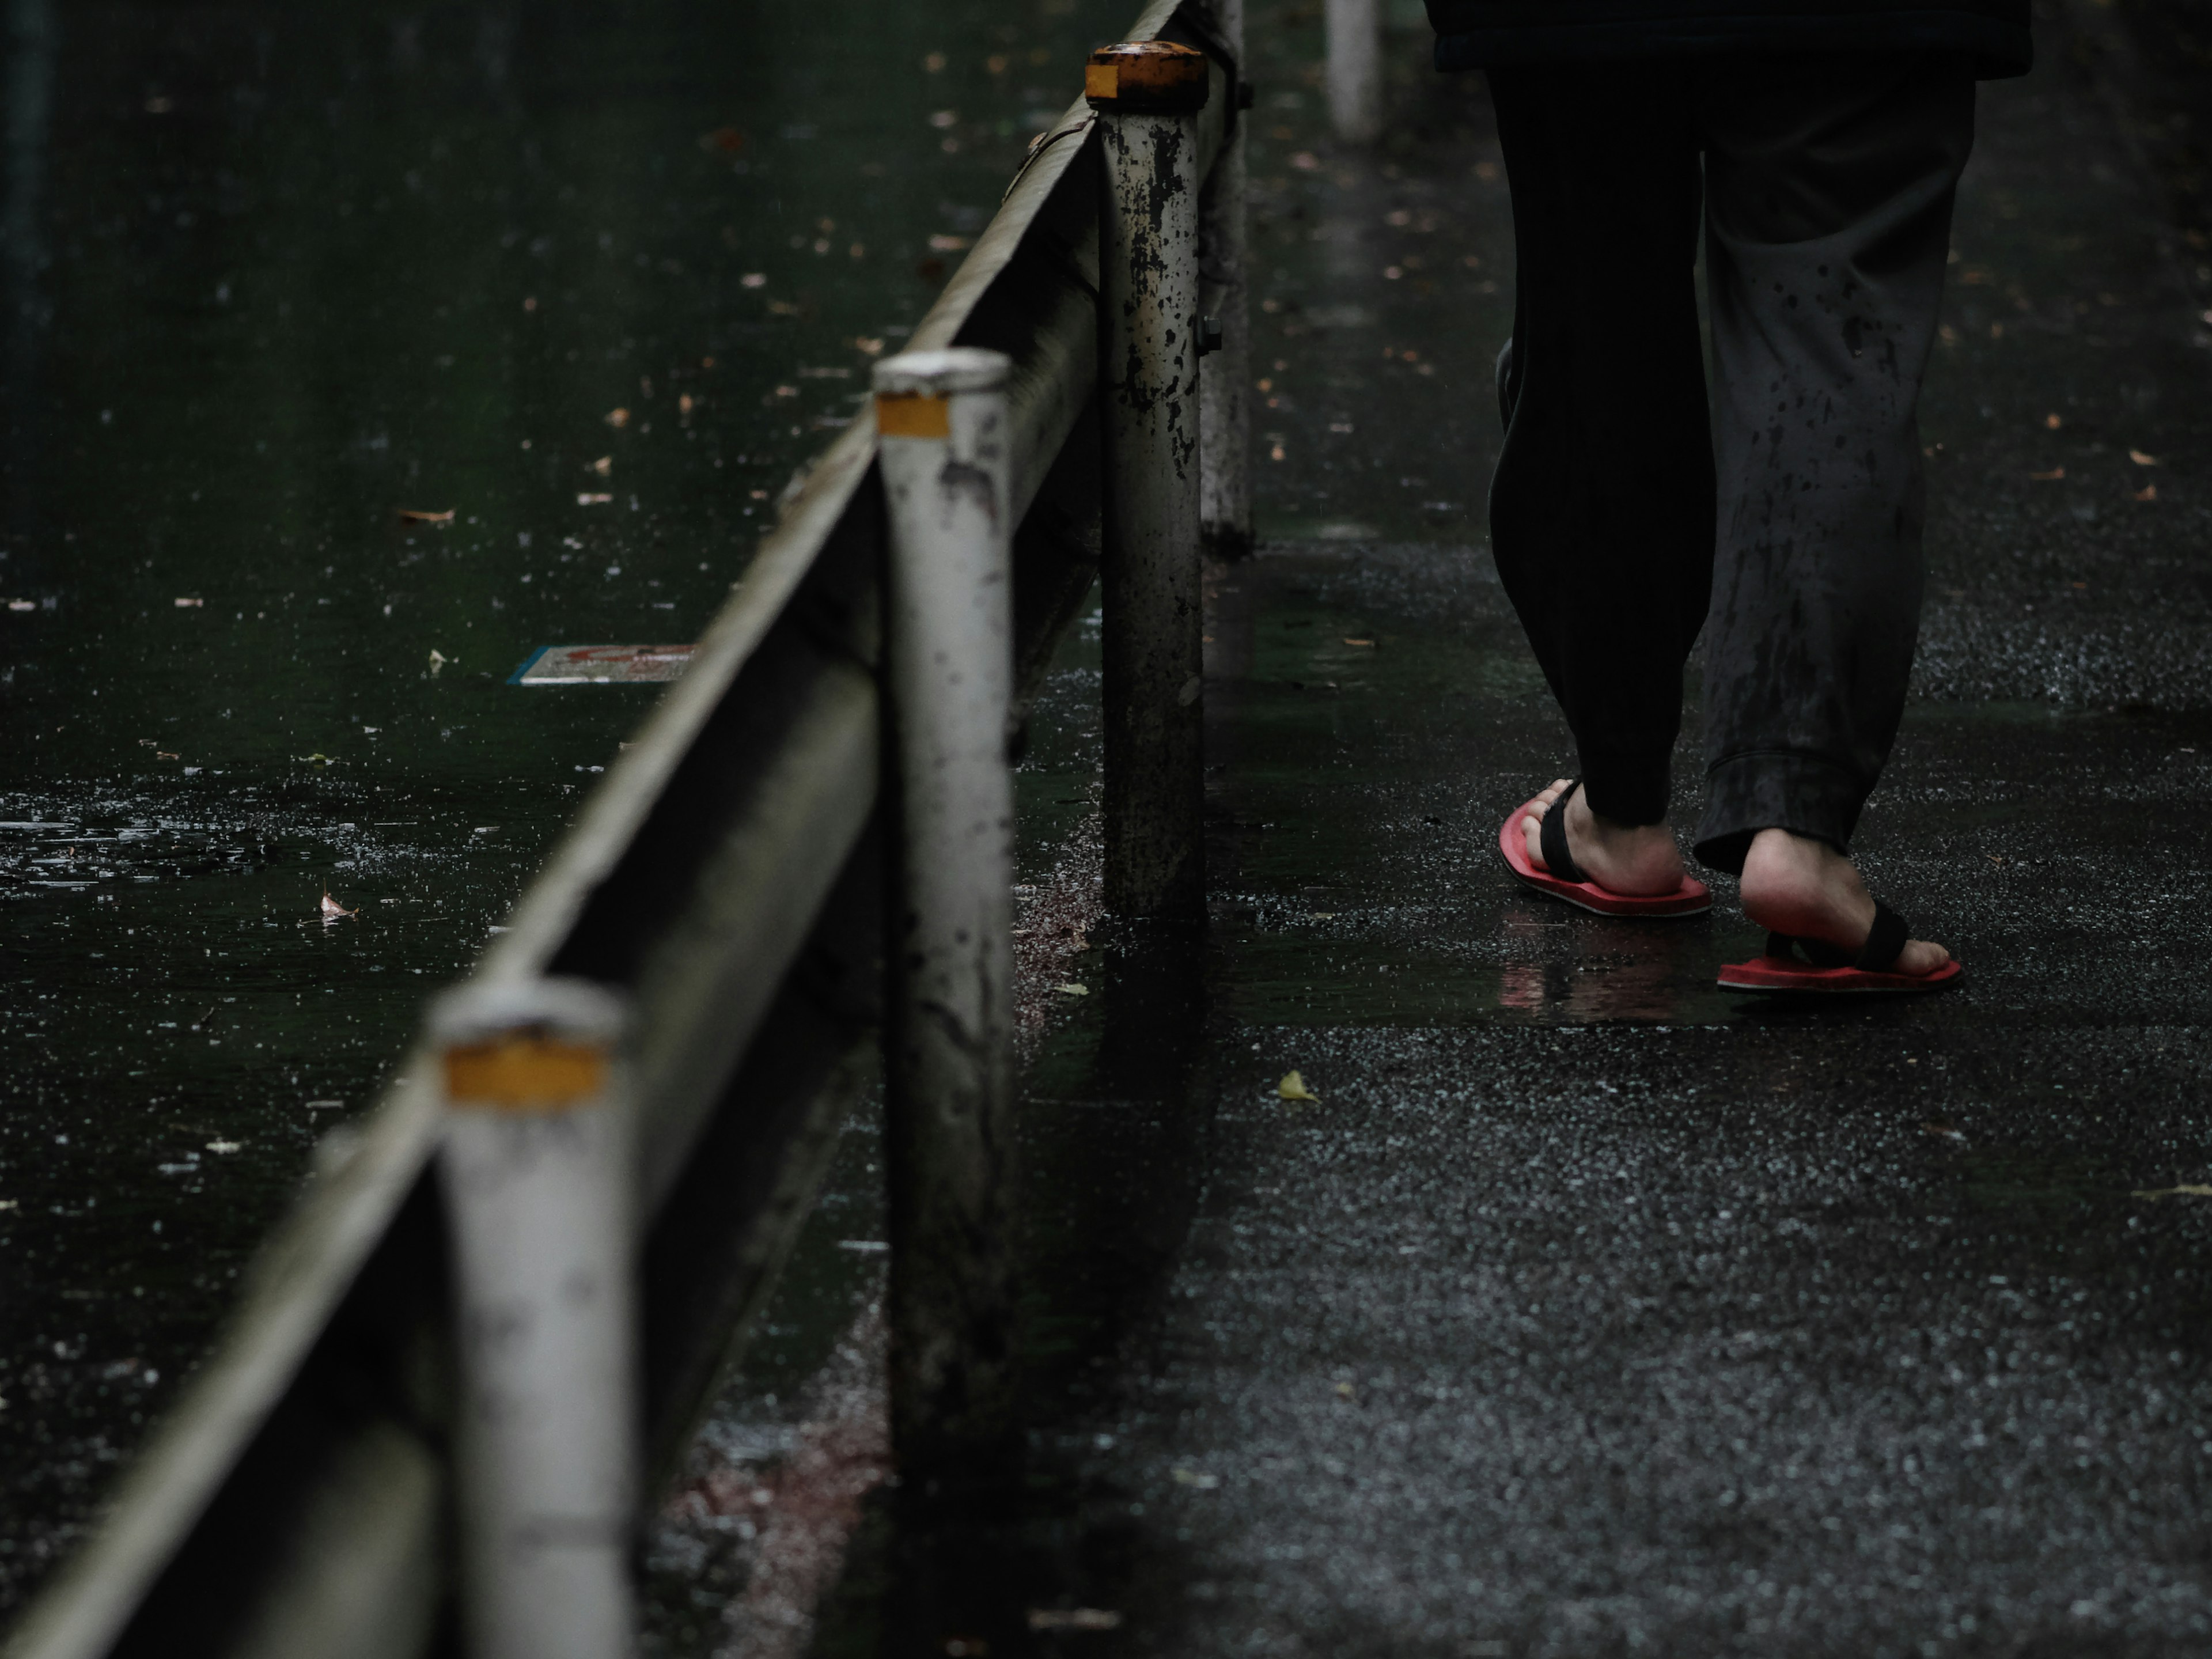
1796,885
1637,861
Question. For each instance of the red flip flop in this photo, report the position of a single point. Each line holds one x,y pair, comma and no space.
1570,883
1815,965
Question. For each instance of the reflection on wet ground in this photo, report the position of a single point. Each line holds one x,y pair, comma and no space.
348,357
1581,1307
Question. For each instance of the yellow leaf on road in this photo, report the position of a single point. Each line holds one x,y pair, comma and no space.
1294,1087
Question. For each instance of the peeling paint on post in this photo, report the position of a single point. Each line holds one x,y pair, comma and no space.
943,426
1225,393
1150,93
539,1177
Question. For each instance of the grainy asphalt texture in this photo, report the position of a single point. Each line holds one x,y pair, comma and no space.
1591,1310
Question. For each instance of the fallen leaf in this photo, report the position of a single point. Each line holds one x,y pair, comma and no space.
1344,1390
163,754
686,403
602,466
23,604
1071,989
1193,1478
2148,493
947,244
224,1146
438,660
2046,478
1074,1619
753,279
2156,1193
1294,1087
333,909
1359,641
868,347
619,418
2053,423
422,515
190,604
2141,460
585,498
1943,1132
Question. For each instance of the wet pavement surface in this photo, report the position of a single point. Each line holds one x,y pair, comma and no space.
592,280
1588,1309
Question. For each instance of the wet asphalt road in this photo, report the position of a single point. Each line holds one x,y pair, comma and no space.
592,279
1590,1310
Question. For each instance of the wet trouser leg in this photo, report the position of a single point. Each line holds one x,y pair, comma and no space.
1829,185
1601,511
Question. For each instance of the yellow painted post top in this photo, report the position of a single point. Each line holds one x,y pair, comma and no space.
525,1071
912,415
1153,77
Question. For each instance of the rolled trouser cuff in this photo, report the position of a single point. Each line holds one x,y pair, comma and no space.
1801,794
1627,789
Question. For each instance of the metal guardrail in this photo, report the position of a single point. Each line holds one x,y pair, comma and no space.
727,878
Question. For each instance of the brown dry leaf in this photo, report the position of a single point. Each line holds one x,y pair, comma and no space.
2052,422
2046,478
1359,641
190,604
1071,989
1294,1087
619,418
332,909
2141,460
1944,1132
602,466
2148,493
587,498
423,515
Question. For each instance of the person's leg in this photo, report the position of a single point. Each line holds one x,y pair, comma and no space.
1829,189
1601,510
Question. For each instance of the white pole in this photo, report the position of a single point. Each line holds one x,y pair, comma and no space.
1148,94
1355,69
943,431
538,1176
1225,387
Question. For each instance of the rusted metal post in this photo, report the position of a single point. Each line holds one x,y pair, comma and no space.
1225,390
1149,93
943,428
539,1175
1354,28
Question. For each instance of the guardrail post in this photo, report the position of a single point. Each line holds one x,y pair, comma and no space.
539,1175
1225,389
1354,28
943,449
1150,93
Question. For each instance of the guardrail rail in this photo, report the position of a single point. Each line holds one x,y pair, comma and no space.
727,882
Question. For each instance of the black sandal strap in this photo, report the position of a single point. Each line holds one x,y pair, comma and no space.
1552,838
1885,940
1885,943
1817,952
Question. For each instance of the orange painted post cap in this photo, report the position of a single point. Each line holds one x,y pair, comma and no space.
1149,77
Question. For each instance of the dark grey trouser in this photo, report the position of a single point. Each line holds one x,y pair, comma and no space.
1786,519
